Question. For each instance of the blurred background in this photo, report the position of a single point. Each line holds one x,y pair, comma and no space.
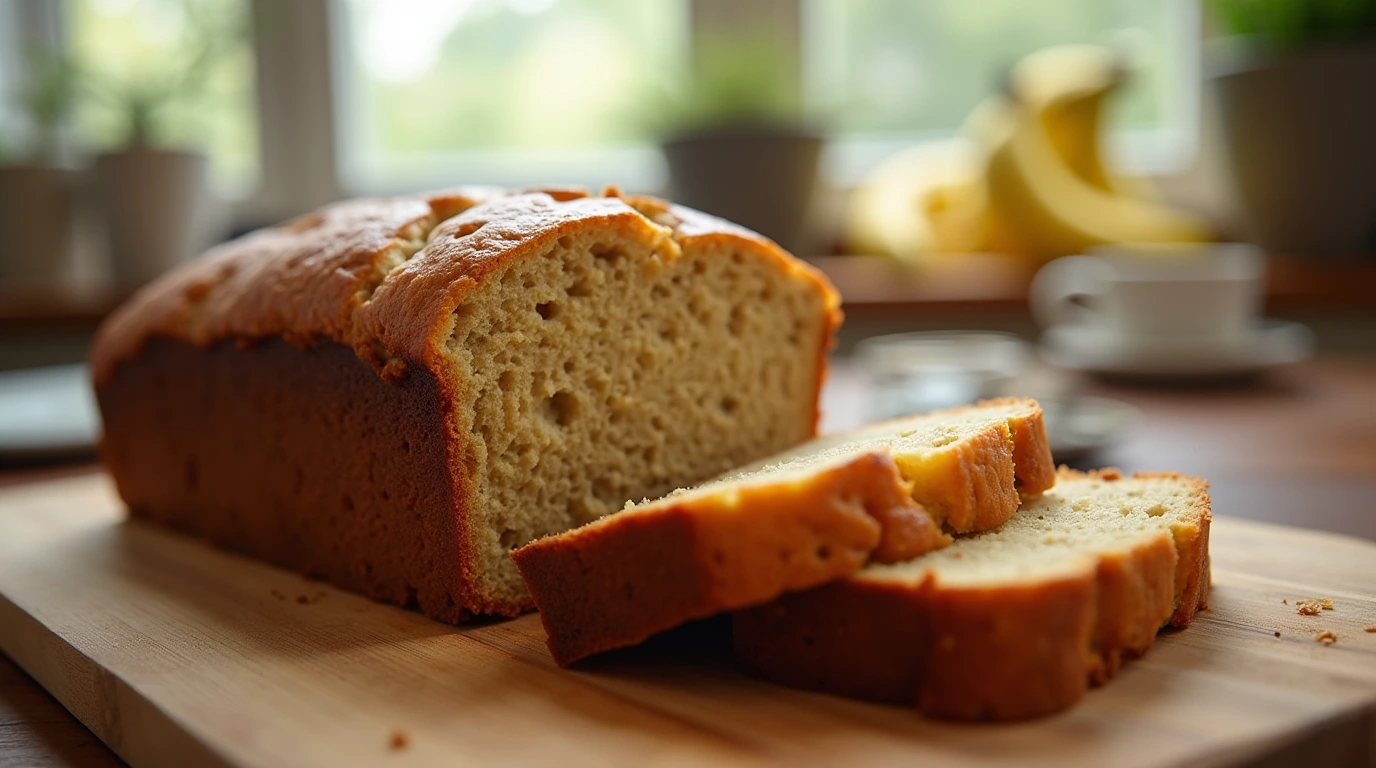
1119,206
135,133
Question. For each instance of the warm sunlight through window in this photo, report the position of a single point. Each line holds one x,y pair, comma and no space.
427,79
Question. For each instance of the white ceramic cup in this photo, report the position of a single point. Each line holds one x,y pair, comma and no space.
1207,293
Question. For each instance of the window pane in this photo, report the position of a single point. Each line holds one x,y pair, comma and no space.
189,61
439,77
911,66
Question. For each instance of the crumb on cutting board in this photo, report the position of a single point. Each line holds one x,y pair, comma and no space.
399,739
1278,633
1283,601
277,593
308,599
1312,607
1327,637
1371,628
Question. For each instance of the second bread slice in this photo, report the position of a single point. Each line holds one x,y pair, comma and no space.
1003,625
801,519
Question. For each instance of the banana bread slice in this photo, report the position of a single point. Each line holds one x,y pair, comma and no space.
394,394
1008,624
796,520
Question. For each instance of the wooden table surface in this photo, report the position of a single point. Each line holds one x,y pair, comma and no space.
1297,447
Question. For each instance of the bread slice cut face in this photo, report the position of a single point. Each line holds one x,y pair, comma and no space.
1012,623
800,519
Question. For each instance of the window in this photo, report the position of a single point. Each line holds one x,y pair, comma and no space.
381,96
882,72
502,91
189,64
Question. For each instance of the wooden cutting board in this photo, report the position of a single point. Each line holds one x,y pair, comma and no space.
174,653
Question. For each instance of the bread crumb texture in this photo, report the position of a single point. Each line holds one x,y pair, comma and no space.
615,366
1326,637
1313,606
1082,517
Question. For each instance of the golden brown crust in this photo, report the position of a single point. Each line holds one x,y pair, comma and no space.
301,281
977,486
307,459
383,279
1035,469
987,653
615,582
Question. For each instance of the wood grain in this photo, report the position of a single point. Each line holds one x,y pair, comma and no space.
174,654
36,732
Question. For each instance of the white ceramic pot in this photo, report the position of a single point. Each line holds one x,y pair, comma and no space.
149,200
1300,130
37,216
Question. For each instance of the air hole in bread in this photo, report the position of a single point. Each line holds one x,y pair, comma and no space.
562,408
608,252
511,539
581,288
737,323
729,405
548,309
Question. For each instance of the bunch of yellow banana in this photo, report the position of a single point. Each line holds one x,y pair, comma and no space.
1032,181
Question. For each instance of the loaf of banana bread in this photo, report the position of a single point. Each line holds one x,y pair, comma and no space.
394,394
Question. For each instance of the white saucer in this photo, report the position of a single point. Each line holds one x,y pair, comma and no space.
1098,350
47,413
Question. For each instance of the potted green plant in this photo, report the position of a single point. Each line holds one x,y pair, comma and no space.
736,141
1295,83
37,194
150,188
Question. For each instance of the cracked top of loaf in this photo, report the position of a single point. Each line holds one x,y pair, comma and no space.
384,276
